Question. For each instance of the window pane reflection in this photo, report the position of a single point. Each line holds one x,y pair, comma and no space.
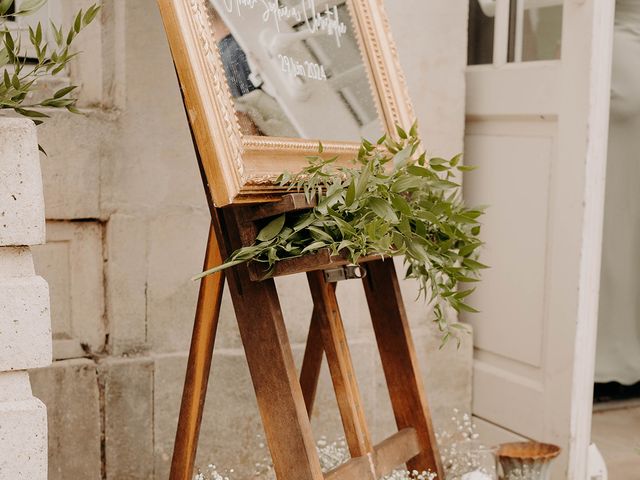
481,30
535,30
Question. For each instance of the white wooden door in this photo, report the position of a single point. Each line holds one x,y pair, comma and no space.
537,118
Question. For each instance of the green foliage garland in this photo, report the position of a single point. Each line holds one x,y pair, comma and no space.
19,75
414,209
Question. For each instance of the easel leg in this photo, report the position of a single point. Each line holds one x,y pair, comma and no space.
268,352
311,363
198,366
340,364
399,361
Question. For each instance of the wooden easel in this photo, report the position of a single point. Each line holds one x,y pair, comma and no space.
286,402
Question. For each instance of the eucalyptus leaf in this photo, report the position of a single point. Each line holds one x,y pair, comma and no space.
383,209
5,5
351,193
313,247
28,7
272,229
64,91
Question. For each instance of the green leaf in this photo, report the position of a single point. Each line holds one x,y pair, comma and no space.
304,223
464,219
28,7
428,216
31,113
463,307
419,171
383,209
247,253
70,36
363,182
402,157
473,264
57,103
313,247
272,229
414,129
8,41
77,24
468,249
400,204
444,184
15,81
64,91
417,250
217,269
91,14
351,193
4,6
319,234
4,57
404,184
57,33
464,293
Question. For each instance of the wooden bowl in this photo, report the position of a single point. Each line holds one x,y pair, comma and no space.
528,451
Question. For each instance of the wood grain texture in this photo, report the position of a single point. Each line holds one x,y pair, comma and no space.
399,361
289,203
311,363
343,375
320,260
387,456
199,364
355,469
273,373
395,451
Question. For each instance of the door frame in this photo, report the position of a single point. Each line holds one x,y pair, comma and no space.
581,103
597,16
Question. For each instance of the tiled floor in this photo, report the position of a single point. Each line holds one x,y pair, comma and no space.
616,432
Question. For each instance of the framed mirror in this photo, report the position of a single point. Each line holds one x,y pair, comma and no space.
265,81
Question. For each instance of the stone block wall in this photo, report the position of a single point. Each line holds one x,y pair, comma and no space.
127,224
25,326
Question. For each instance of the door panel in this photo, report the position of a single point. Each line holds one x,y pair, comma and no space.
521,90
511,296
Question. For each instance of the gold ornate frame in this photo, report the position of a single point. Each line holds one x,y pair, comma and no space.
242,169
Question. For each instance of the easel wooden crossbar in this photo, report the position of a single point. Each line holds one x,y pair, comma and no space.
284,399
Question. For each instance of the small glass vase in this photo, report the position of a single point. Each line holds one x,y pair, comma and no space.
473,461
526,460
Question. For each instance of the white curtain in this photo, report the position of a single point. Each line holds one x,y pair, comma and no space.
618,352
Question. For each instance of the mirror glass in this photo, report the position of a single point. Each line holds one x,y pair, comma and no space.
295,69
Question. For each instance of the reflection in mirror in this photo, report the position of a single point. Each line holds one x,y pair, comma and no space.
295,69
